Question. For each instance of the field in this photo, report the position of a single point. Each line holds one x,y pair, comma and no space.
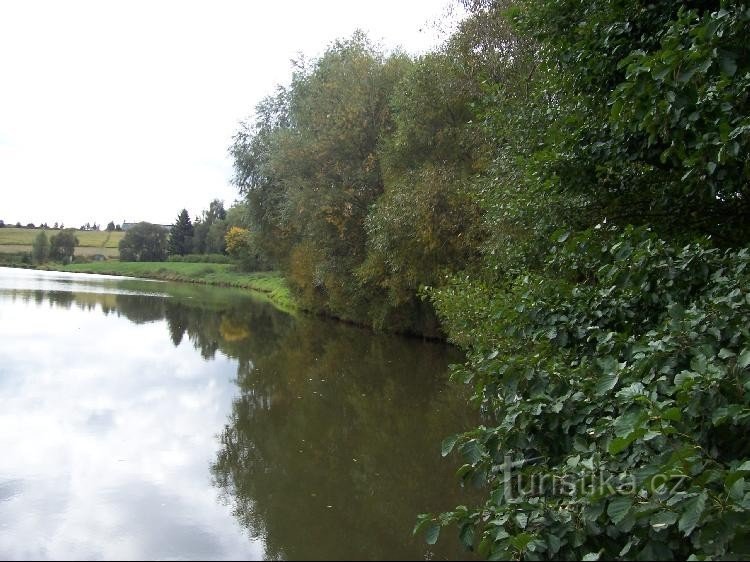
14,240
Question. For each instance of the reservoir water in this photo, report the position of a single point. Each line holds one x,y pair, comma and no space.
142,419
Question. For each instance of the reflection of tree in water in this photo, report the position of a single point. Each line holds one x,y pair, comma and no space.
141,309
327,415
339,417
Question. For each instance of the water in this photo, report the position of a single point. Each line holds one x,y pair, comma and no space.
141,419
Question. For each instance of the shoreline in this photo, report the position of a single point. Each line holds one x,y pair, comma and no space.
268,284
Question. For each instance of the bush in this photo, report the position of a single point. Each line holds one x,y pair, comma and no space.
144,242
618,381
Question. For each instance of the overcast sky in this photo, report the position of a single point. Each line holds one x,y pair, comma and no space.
125,110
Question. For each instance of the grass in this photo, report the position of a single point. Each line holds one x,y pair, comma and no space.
90,242
270,283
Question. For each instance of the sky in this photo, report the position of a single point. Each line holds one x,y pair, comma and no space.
124,110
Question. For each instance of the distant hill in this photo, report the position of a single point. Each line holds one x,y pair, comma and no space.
91,242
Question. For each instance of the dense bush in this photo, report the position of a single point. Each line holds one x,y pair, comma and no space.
144,242
616,383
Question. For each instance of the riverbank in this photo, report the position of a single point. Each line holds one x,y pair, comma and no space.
270,284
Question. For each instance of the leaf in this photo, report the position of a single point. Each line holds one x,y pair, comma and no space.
471,451
466,535
725,353
432,534
744,359
591,556
606,383
693,511
672,414
448,444
737,491
422,520
727,63
619,444
618,508
663,519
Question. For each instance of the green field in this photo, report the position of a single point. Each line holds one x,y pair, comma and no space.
90,242
270,283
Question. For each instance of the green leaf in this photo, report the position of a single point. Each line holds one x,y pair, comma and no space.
692,514
727,63
619,444
591,556
672,414
448,444
744,359
663,519
472,451
466,535
606,383
618,508
423,520
737,491
725,353
432,534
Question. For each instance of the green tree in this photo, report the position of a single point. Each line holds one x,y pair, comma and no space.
63,245
110,226
144,242
310,169
181,235
40,248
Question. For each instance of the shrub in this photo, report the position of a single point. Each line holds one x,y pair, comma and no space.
617,381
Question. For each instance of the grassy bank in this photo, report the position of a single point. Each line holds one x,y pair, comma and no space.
270,283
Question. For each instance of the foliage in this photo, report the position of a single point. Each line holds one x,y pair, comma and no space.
612,368
63,245
630,387
144,242
210,228
181,235
310,169
653,108
41,248
110,226
564,184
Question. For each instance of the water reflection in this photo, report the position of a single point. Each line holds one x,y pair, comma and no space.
320,440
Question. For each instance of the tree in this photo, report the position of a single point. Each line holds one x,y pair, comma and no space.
56,226
181,235
62,245
40,248
216,211
144,242
110,226
30,225
310,168
2,224
118,228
